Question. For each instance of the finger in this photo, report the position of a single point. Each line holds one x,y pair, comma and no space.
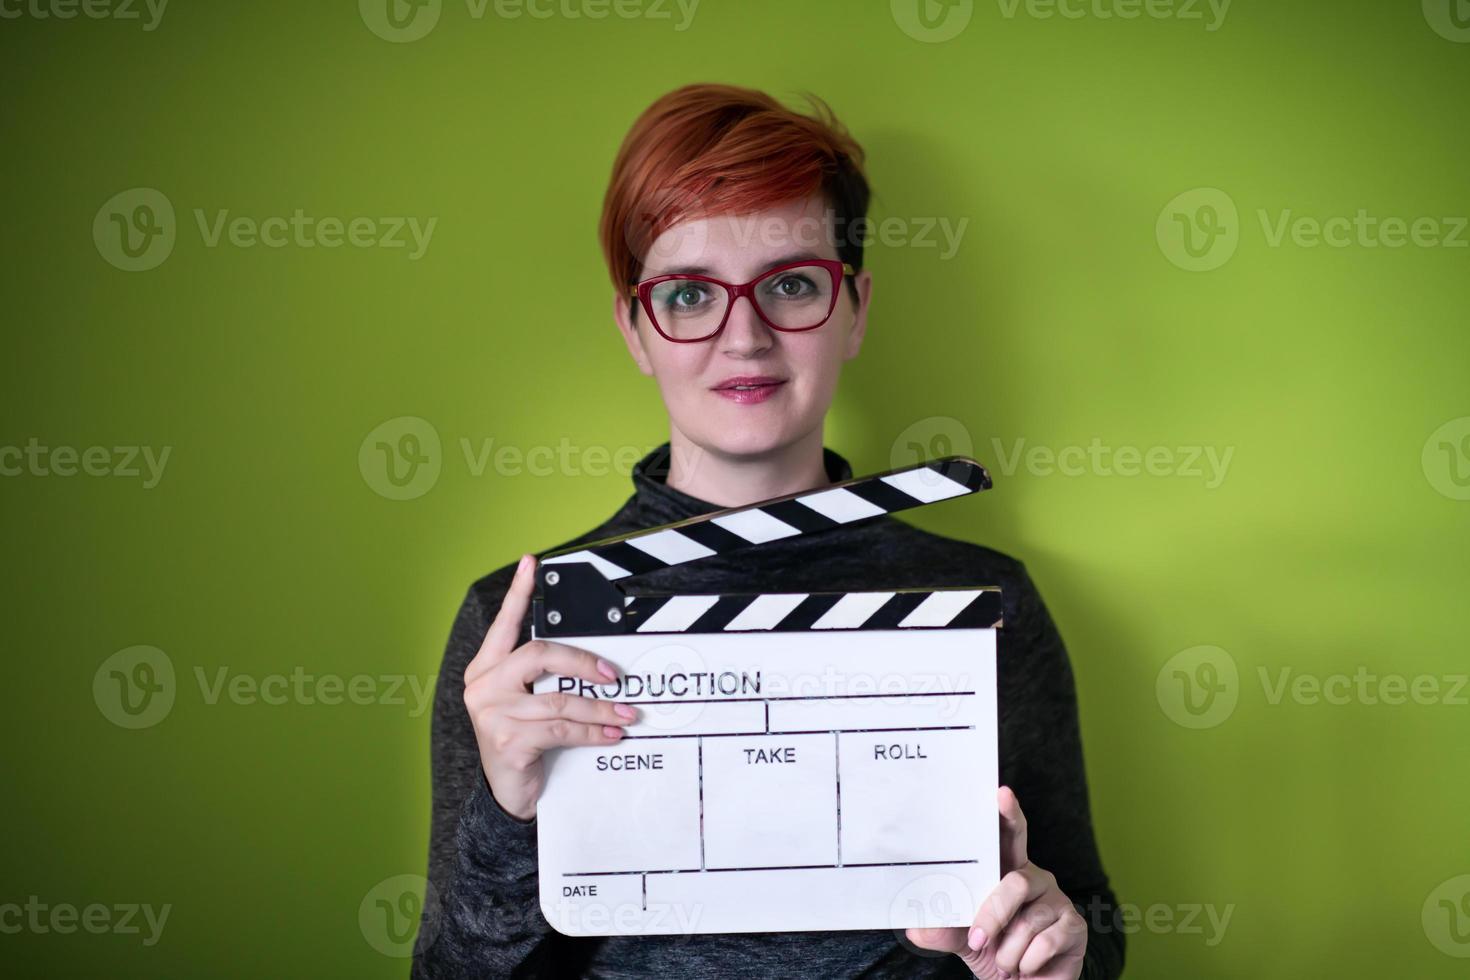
560,733
1012,831
1024,927
1014,891
944,940
548,657
557,704
941,940
505,629
1067,935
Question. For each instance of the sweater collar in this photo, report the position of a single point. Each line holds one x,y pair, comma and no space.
655,502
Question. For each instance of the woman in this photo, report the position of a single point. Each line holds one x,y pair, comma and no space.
726,183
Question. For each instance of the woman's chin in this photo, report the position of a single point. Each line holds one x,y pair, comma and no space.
747,438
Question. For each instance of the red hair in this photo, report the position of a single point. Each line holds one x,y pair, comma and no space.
706,150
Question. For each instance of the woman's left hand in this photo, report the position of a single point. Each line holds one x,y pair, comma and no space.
1027,927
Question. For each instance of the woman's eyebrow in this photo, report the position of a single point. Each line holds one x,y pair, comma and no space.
793,257
704,270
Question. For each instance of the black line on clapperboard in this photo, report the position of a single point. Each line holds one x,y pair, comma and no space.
837,766
817,697
815,731
699,745
645,893
774,867
807,697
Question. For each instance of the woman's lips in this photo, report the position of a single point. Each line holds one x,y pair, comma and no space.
749,390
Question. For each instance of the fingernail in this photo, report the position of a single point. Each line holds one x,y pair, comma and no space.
977,938
623,711
612,731
607,670
523,564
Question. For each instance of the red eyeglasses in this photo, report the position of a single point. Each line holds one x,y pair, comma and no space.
792,297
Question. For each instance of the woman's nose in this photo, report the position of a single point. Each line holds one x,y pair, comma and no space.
745,333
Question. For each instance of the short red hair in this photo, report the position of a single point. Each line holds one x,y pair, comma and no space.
706,150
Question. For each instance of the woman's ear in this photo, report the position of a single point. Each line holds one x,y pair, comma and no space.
623,314
863,281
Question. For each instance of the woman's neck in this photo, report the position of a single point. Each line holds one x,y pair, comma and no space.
734,481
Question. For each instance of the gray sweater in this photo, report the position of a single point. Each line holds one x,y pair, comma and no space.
483,916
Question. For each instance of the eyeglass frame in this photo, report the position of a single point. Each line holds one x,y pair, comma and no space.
838,269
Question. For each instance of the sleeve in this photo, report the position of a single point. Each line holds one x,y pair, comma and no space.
482,912
1041,760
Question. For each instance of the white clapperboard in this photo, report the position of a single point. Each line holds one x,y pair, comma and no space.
802,761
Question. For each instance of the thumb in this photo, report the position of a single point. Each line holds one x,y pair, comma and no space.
500,637
956,941
1012,831
940,940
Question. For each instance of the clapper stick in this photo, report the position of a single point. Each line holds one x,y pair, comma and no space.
578,595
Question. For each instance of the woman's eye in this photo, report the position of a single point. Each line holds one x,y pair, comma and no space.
792,287
684,296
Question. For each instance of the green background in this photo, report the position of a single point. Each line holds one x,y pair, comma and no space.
1334,542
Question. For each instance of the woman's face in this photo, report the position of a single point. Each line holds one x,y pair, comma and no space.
751,390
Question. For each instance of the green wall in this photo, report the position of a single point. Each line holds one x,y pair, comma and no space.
1292,408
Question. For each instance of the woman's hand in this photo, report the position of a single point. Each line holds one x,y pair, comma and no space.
513,727
1027,927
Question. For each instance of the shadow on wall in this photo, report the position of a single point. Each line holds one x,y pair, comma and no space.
934,351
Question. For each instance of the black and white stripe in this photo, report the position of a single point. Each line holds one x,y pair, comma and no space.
782,517
781,612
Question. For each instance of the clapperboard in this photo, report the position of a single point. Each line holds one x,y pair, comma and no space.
802,761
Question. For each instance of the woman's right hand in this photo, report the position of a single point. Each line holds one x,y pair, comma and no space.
513,727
